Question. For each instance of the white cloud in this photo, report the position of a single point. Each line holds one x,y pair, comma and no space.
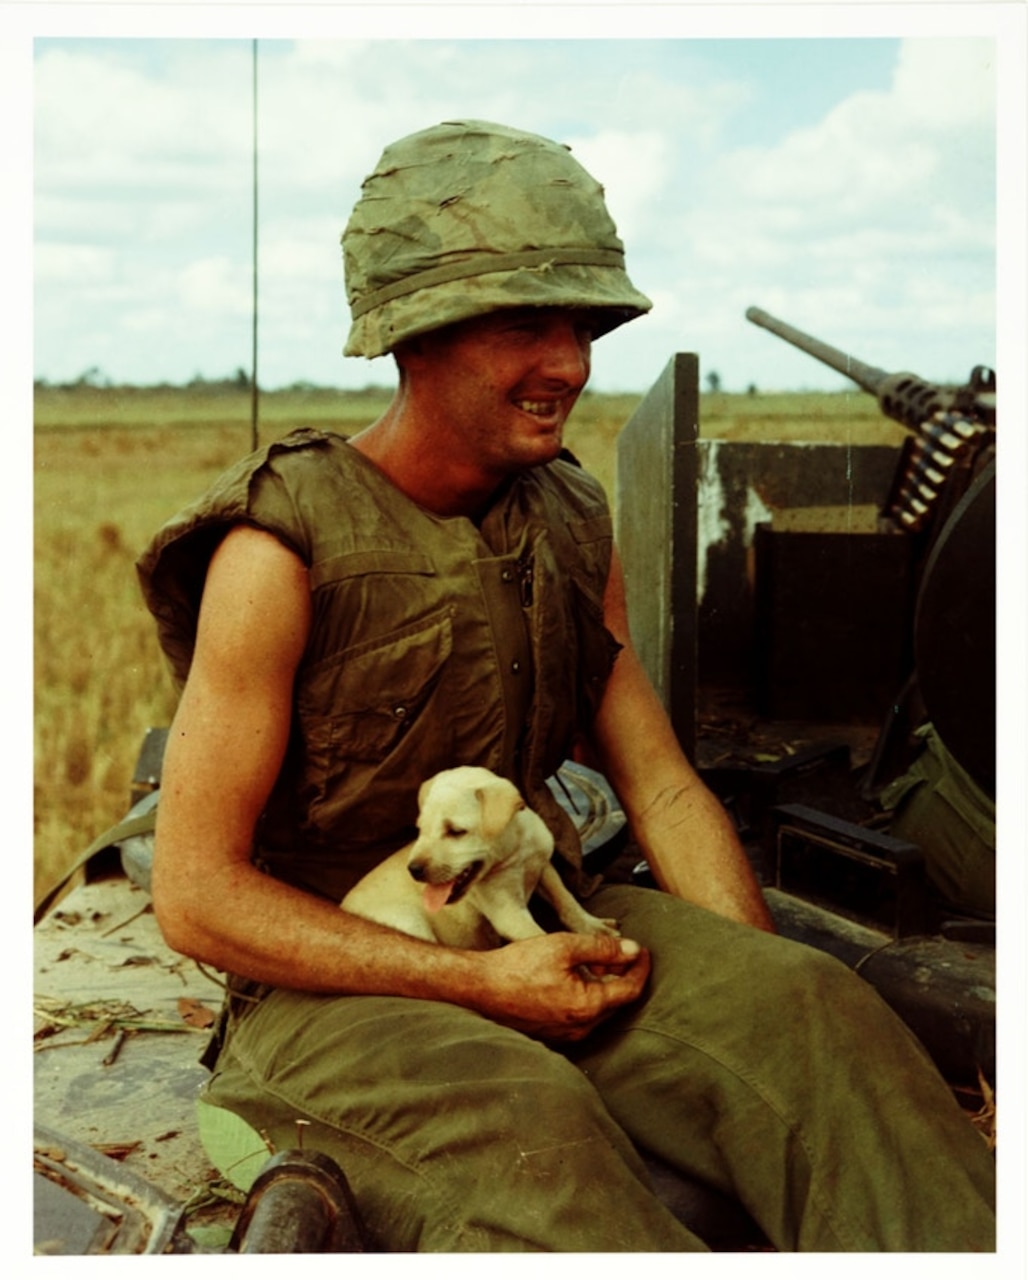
78,264
945,83
634,168
104,121
215,287
695,112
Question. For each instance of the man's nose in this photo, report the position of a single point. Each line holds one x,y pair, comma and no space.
568,352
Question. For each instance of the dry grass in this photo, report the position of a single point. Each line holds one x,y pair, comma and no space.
112,465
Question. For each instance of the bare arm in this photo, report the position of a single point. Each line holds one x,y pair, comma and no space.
224,752
682,828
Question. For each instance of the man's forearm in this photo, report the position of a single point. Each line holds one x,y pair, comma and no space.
694,852
248,923
685,834
679,824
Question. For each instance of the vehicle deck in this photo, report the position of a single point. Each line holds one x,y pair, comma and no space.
120,1023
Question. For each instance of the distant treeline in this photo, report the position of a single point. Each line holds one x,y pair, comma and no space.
94,379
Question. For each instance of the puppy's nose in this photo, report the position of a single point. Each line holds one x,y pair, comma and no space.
417,870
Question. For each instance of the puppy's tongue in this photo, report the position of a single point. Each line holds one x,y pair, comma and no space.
437,895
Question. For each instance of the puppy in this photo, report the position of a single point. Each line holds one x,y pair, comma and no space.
466,880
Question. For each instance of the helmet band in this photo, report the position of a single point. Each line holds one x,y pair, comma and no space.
486,264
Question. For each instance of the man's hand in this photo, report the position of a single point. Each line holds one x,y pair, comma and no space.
561,986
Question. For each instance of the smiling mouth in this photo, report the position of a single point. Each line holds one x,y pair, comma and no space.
540,408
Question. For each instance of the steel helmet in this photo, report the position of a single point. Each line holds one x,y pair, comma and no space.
469,217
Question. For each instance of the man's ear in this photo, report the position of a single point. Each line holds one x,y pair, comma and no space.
409,346
500,801
411,351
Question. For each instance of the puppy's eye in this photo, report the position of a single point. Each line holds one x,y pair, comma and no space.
451,830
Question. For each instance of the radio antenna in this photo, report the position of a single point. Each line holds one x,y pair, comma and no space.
253,320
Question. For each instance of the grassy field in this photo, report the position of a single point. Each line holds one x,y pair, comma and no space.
111,464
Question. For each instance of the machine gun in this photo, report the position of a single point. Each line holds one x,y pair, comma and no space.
949,426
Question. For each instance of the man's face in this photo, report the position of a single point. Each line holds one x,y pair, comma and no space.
500,387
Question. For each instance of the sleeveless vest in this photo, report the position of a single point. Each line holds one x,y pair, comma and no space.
434,642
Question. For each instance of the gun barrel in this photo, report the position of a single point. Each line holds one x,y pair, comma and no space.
864,375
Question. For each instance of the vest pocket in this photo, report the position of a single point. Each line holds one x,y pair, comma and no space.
376,690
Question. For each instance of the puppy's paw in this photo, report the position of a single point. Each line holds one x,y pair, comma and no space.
601,928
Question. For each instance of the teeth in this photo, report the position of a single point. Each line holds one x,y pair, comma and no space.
541,408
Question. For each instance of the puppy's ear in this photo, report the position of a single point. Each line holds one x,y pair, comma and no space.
500,801
423,791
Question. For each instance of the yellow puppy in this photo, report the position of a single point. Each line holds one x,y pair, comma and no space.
466,881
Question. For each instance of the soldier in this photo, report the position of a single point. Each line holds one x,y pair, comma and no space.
348,617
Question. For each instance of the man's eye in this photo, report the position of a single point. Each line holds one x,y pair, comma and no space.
521,322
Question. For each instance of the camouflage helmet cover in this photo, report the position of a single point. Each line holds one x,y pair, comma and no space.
469,217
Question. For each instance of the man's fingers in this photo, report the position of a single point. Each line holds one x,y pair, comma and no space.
602,949
594,975
605,959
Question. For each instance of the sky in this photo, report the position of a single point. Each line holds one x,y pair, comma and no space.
844,182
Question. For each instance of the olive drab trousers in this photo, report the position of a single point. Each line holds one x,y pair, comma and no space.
759,1065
